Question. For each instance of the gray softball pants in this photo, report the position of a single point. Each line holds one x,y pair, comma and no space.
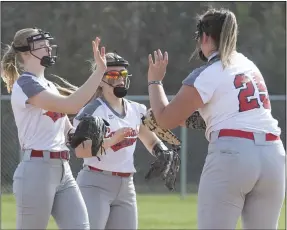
110,200
242,177
44,186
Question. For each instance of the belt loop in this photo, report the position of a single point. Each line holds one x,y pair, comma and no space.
214,136
46,156
26,154
86,167
259,138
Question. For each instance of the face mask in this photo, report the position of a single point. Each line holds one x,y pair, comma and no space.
47,61
119,91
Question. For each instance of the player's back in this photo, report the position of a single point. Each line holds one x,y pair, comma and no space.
239,99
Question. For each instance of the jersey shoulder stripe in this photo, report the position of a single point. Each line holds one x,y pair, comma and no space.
190,79
90,108
29,86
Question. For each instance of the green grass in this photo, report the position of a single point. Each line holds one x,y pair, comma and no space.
155,212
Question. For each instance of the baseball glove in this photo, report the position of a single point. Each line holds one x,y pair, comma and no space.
164,134
168,161
89,128
195,121
166,165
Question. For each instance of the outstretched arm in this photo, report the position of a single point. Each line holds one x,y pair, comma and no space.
187,100
151,141
85,150
167,114
46,100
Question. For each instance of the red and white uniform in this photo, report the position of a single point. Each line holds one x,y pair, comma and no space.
120,157
231,98
38,129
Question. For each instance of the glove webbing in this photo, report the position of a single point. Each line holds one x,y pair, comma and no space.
102,148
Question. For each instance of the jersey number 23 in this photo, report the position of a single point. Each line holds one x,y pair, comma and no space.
248,100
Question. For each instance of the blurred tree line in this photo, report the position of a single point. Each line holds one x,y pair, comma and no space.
135,29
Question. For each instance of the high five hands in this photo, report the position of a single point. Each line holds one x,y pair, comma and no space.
157,68
99,56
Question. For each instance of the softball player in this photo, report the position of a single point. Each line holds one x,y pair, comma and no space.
244,168
43,182
106,182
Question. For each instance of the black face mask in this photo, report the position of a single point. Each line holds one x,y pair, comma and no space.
47,61
119,91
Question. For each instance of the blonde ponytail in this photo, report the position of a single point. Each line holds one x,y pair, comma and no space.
9,70
221,26
11,59
228,39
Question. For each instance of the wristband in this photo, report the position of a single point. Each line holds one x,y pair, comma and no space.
154,83
158,149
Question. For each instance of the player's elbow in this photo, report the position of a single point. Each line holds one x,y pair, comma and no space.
82,153
78,153
164,121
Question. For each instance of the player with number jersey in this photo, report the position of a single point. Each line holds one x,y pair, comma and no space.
106,182
43,183
244,169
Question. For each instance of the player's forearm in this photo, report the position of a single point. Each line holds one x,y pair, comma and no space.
149,139
79,98
85,150
158,100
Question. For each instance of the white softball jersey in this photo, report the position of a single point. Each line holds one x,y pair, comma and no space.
120,157
235,97
38,129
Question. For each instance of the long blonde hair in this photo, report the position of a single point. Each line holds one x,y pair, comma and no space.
12,63
222,26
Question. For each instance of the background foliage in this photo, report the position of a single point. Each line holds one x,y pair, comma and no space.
135,29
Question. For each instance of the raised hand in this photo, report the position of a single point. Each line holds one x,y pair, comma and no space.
99,56
157,68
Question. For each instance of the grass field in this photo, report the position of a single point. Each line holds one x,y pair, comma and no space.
155,212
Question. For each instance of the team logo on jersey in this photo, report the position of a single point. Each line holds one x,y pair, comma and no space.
111,116
129,141
54,115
